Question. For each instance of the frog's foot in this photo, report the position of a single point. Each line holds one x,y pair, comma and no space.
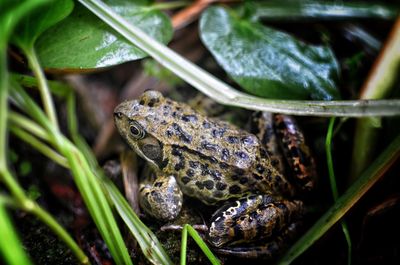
268,250
251,219
162,199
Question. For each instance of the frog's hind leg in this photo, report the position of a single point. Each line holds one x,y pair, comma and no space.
262,125
269,250
162,198
252,219
297,153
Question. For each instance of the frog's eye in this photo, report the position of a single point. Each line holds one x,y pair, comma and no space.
137,130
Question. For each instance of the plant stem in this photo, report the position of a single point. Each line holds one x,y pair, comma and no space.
16,191
197,238
28,125
378,85
318,10
3,108
329,159
42,85
12,250
41,147
225,94
57,88
332,179
184,245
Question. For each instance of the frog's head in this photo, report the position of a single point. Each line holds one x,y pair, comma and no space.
135,122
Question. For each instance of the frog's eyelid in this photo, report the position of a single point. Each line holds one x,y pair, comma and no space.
140,134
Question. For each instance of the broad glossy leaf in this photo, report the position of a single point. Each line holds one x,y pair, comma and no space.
34,24
267,62
83,41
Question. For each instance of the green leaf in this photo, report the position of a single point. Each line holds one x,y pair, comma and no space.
83,41
33,25
12,251
267,62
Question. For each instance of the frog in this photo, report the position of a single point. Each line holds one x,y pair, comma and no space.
219,164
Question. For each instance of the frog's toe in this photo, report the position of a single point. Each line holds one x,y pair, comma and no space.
163,199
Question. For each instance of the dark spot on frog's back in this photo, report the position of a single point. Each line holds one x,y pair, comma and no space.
232,139
221,186
225,154
194,164
258,177
209,184
223,165
242,155
169,133
176,152
199,185
190,172
189,118
206,125
209,146
184,136
260,169
180,165
218,133
185,180
234,189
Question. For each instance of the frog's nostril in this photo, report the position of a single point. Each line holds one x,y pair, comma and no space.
118,115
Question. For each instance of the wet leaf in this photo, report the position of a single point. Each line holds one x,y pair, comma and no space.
34,24
267,62
83,41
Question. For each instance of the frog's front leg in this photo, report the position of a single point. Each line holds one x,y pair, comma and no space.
251,219
161,198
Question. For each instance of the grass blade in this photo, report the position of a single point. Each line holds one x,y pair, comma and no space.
12,251
148,242
197,238
84,177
